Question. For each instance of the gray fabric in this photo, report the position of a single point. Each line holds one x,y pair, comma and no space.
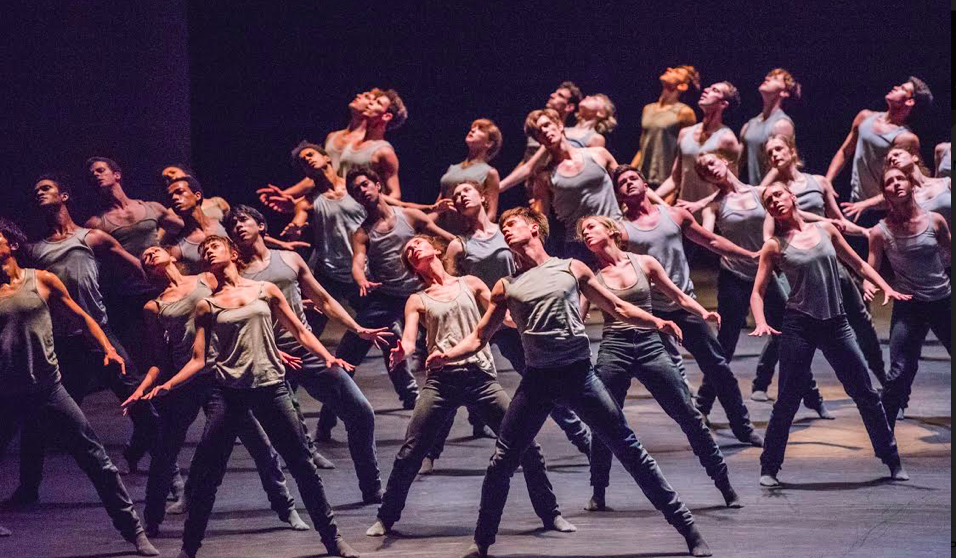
756,136
179,328
811,199
814,278
27,360
871,149
578,138
73,261
942,203
590,192
136,237
665,243
334,153
333,222
190,257
743,227
692,186
448,322
545,304
917,266
385,257
353,158
243,345
456,174
281,275
638,294
488,259
660,128
946,163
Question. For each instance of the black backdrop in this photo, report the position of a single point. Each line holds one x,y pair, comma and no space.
262,76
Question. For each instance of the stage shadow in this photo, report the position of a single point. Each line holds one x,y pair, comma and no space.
846,485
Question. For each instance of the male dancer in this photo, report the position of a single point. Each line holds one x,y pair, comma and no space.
185,198
544,300
384,113
30,376
777,87
943,155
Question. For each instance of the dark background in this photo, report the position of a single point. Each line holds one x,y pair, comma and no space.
231,87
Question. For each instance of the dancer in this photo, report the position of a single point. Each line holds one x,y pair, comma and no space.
916,243
662,121
333,387
32,387
777,88
807,253
185,197
214,207
629,351
484,142
944,160
659,231
544,299
382,114
448,310
236,324
596,117
170,336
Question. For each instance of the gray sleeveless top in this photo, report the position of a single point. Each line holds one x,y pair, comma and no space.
814,278
917,265
638,294
448,322
665,243
868,158
590,192
179,328
488,259
334,221
73,261
27,360
692,186
758,132
190,258
353,158
743,227
946,163
136,237
577,137
385,257
244,346
334,153
811,198
456,174
941,203
281,275
659,130
545,304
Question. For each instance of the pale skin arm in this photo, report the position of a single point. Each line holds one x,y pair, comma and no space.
713,242
300,219
541,198
609,302
833,209
492,191
105,246
489,324
663,284
875,259
768,260
359,259
523,171
452,255
282,312
385,162
413,309
856,264
848,148
197,361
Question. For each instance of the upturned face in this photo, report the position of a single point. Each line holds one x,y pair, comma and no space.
477,138
900,93
217,254
365,191
674,77
245,230
712,168
181,198
559,100
468,200
361,101
7,247
779,153
592,107
901,159
312,161
549,133
774,83
779,201
713,96
631,186
155,259
897,186
419,253
377,109
517,230
595,234
102,176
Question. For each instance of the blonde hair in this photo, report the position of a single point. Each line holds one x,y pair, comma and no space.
531,122
439,244
607,124
531,217
787,140
613,230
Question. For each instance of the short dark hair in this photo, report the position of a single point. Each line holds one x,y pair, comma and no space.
235,212
13,233
621,169
367,172
732,96
440,244
190,181
303,145
397,109
216,238
113,165
576,95
922,96
57,179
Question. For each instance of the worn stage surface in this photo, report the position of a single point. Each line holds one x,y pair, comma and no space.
836,500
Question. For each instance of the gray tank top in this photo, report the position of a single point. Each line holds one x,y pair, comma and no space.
281,275
579,137
743,227
27,360
244,345
659,131
665,244
811,198
758,132
946,163
488,259
456,174
385,257
545,304
638,294
692,186
333,225
871,149
448,322
590,192
179,327
190,258
941,203
136,237
814,278
917,265
73,261
334,153
352,158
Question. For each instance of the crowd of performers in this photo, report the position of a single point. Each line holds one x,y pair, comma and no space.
216,315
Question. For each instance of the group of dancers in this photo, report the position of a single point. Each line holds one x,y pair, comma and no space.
216,314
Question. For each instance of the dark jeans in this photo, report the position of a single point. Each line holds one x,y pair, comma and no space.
60,416
442,394
272,406
701,343
578,387
126,319
801,337
340,395
911,321
81,364
733,305
177,411
508,341
860,320
640,355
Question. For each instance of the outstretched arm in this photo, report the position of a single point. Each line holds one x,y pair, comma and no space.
282,313
359,260
156,350
856,263
413,307
768,257
492,319
386,163
713,242
105,246
202,320
663,284
422,224
524,170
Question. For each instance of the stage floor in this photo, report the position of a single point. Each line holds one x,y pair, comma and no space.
836,500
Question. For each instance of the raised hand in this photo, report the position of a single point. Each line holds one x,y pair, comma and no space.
272,197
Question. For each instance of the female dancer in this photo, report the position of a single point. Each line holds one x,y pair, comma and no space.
235,323
807,253
917,243
629,351
596,117
484,142
777,87
448,309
